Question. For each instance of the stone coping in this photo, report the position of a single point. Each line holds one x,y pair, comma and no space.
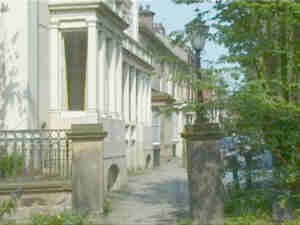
204,131
37,187
86,131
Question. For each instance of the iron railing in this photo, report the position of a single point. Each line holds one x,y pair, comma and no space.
34,155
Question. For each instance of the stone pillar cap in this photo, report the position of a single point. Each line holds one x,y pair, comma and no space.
204,131
86,131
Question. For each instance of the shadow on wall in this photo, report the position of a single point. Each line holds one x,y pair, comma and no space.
10,88
113,177
148,161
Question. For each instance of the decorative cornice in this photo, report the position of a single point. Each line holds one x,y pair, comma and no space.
153,36
83,5
141,62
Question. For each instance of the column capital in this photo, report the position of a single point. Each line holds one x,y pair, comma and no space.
53,26
91,23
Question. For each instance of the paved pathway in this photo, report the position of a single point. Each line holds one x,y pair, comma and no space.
159,196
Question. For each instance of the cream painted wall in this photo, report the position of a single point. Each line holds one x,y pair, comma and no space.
29,20
43,62
15,22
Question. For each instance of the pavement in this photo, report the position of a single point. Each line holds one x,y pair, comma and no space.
156,197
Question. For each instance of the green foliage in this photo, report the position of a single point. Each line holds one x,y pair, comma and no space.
65,218
6,207
248,220
185,222
249,202
107,208
11,163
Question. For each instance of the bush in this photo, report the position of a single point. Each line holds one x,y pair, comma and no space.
7,165
65,218
6,207
107,207
244,202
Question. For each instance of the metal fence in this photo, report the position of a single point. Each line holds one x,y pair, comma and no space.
34,155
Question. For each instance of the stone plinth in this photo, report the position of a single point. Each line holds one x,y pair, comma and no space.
87,167
204,174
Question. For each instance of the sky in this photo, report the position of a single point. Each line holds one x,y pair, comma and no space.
174,17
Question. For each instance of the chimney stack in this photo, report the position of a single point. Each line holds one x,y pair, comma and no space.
146,16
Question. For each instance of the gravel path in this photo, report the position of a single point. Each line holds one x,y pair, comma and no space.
159,196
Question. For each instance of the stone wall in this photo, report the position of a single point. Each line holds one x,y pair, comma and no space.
46,198
115,153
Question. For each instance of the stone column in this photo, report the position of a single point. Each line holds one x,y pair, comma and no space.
112,79
143,102
133,94
119,79
126,92
204,179
148,102
54,70
87,167
138,99
92,61
102,72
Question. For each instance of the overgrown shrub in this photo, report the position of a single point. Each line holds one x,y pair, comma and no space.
244,202
6,207
107,207
65,218
10,163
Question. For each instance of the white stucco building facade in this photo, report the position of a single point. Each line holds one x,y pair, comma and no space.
89,61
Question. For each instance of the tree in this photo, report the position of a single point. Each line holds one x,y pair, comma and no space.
262,37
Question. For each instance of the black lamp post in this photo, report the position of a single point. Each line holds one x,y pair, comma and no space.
198,39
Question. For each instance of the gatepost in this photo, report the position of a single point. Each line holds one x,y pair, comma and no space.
87,167
206,189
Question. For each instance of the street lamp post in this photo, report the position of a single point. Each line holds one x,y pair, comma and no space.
203,155
198,39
